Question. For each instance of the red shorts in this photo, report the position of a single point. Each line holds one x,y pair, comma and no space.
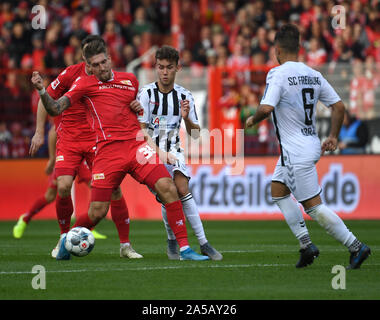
70,155
84,173
117,158
52,180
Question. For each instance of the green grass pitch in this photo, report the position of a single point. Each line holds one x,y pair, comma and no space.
259,264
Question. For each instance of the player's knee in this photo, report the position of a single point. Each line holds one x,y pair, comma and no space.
64,191
64,188
166,190
98,210
182,191
50,195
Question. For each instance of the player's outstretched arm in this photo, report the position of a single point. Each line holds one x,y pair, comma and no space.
39,136
262,112
53,107
52,141
337,115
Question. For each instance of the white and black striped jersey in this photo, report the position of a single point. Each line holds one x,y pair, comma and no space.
162,114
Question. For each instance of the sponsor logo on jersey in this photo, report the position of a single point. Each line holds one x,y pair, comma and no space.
55,84
179,223
127,82
59,158
98,176
116,86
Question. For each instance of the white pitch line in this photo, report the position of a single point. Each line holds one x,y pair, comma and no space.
152,268
168,268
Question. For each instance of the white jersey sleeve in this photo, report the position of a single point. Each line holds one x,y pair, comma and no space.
327,95
192,113
143,98
273,90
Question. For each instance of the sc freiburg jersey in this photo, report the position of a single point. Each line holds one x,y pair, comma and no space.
293,89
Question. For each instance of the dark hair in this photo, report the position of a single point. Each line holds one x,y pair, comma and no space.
91,37
288,38
167,53
94,47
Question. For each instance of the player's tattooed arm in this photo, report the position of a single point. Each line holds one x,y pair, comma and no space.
53,107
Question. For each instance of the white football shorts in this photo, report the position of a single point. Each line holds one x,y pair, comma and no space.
179,166
300,178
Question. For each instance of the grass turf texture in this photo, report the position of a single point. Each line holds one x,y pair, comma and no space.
259,263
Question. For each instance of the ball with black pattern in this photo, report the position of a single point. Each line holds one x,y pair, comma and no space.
79,241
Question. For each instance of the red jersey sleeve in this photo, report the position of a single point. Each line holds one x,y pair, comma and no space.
136,84
77,90
60,85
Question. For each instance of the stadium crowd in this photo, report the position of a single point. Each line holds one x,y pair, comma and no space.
236,34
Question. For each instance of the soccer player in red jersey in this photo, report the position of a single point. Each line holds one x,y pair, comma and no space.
84,176
121,147
76,141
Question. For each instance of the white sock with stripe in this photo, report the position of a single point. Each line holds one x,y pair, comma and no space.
294,218
332,223
190,210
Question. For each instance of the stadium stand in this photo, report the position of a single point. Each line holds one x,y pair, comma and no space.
234,34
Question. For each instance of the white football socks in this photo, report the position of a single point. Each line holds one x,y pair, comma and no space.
293,217
332,223
192,215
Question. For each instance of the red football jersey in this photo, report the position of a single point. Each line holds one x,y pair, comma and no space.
108,102
73,123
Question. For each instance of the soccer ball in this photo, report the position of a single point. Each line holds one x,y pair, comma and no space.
79,241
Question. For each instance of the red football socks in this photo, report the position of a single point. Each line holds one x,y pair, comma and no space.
176,220
38,205
83,220
65,209
120,216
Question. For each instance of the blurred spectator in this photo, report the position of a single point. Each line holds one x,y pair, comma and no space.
19,44
316,56
140,23
6,14
39,51
115,43
255,138
5,139
4,55
238,59
19,144
260,43
362,90
203,45
353,136
54,51
128,55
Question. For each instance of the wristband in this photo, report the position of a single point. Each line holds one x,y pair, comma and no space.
42,91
